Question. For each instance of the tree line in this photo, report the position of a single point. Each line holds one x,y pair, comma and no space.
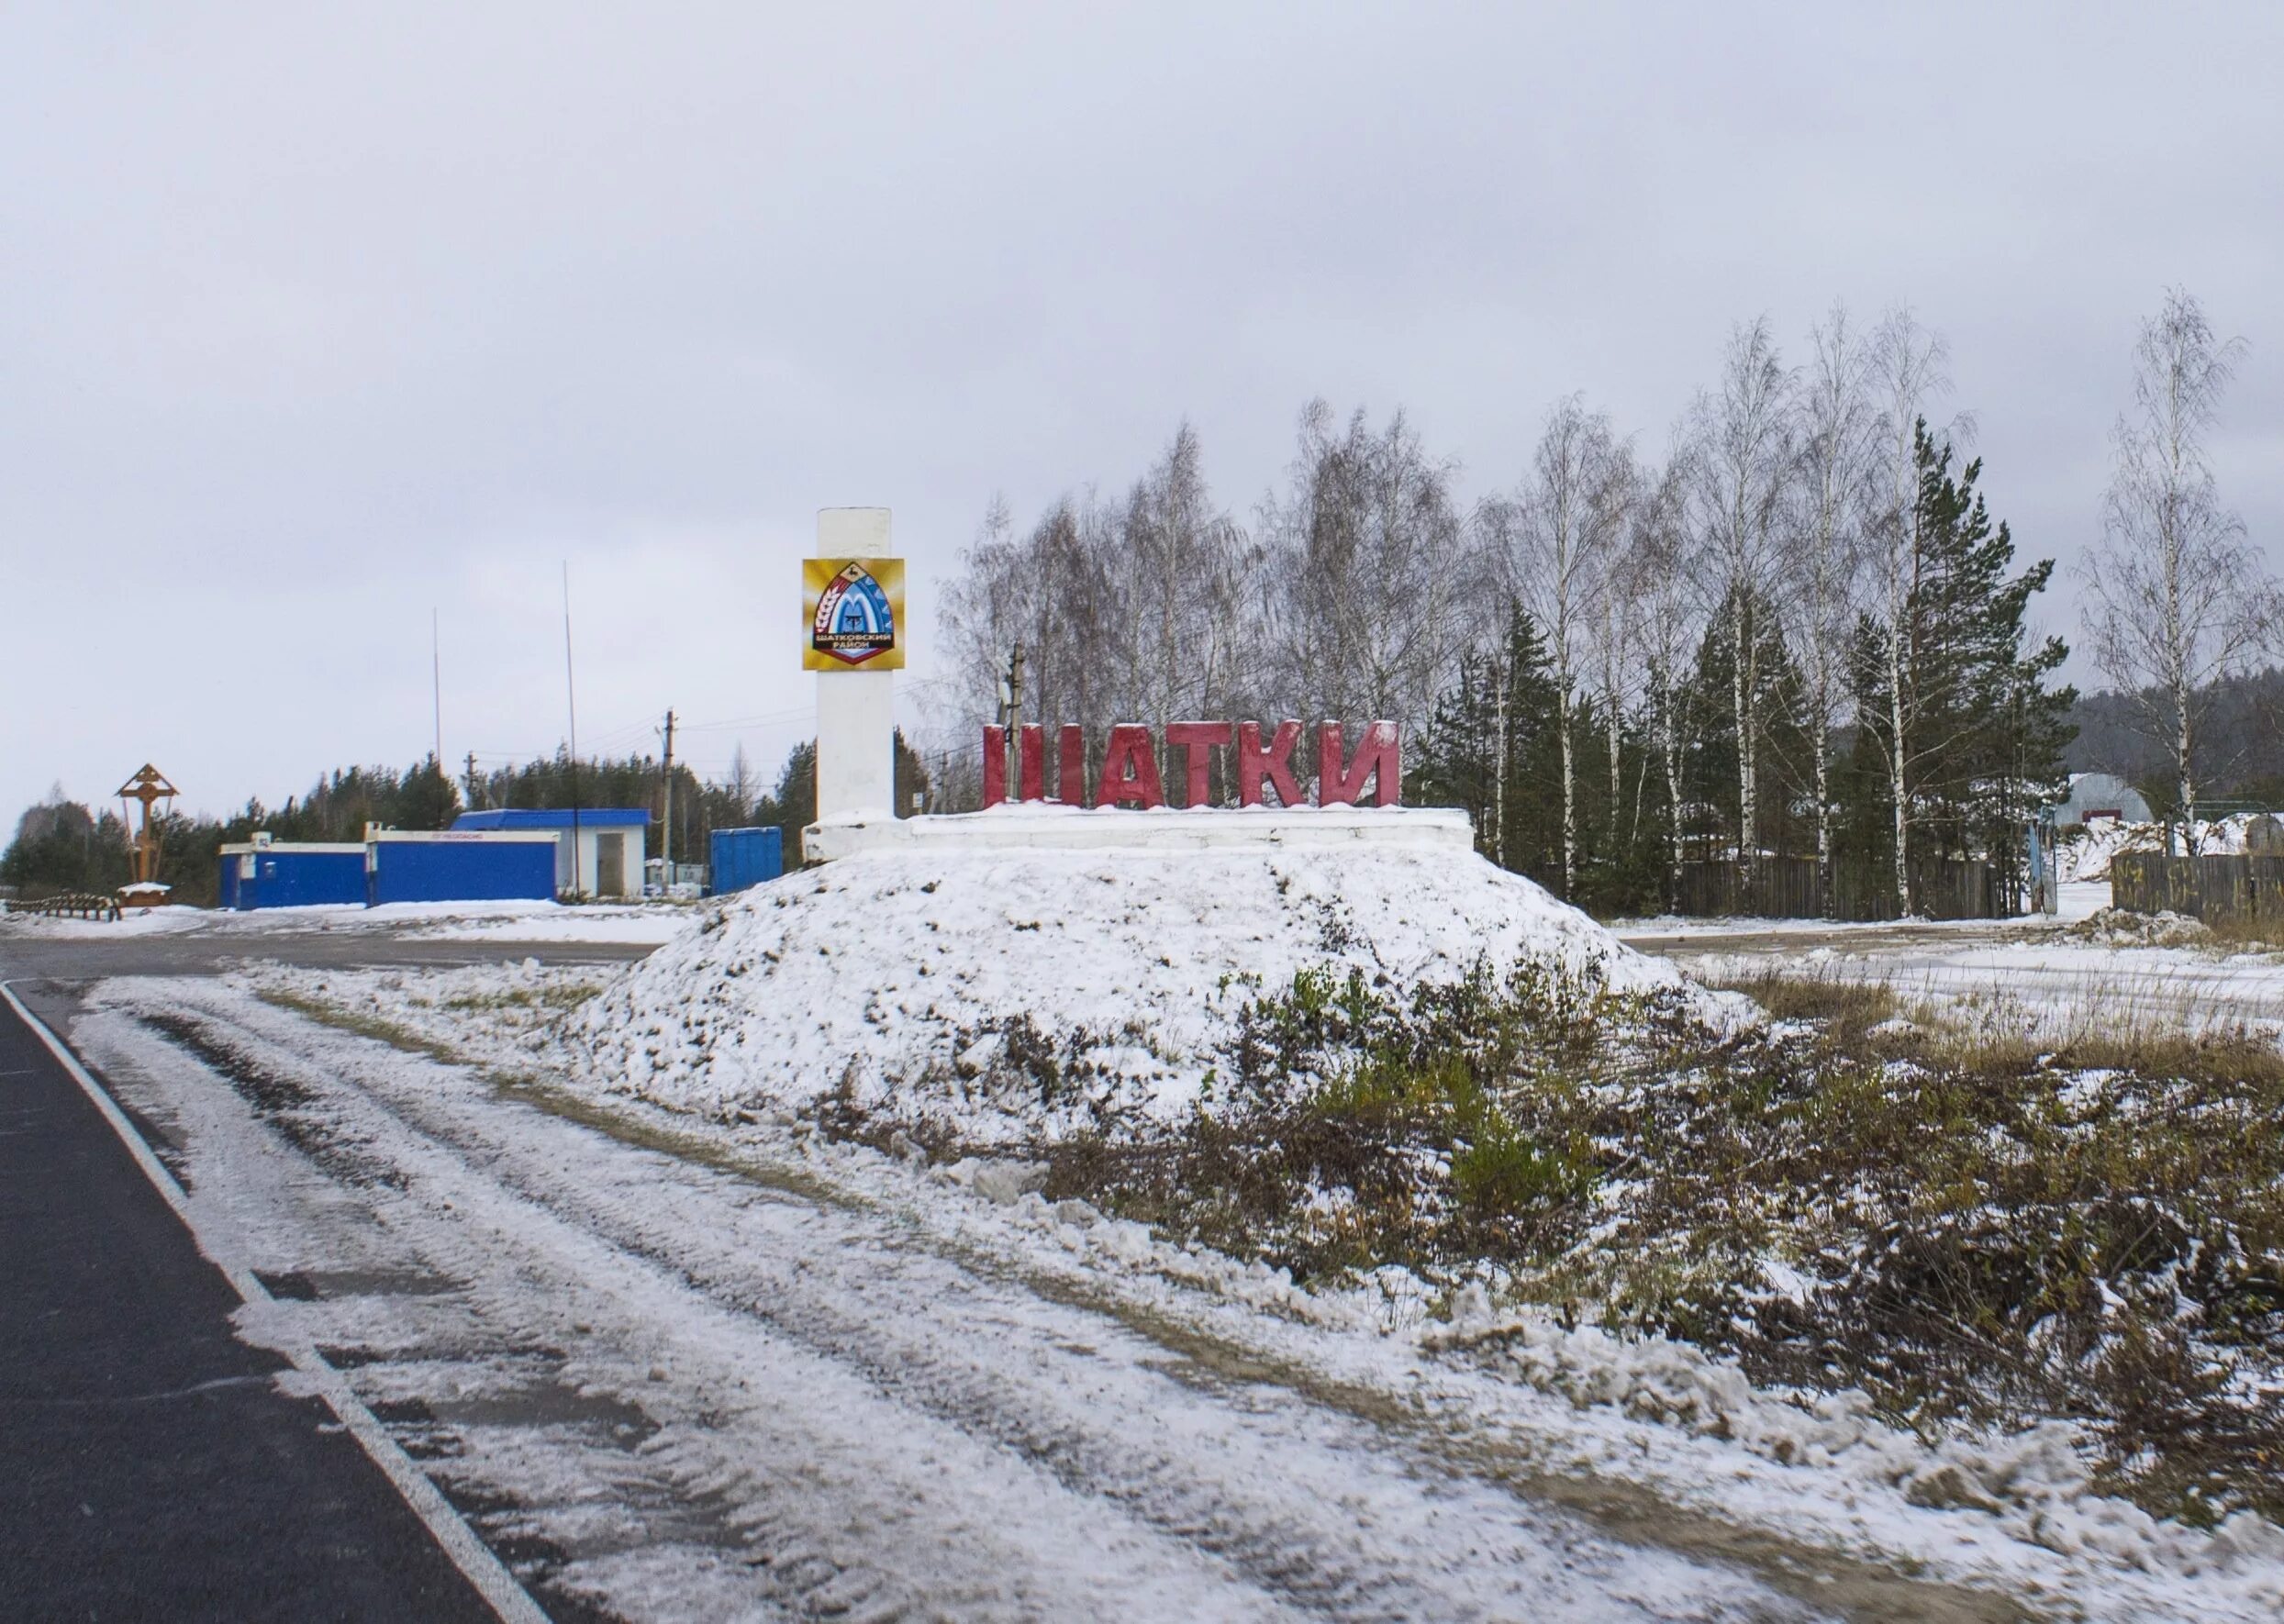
2239,760
64,845
1795,632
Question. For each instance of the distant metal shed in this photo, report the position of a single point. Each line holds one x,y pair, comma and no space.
2098,796
744,857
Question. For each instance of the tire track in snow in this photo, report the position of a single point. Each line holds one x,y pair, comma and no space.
1294,1504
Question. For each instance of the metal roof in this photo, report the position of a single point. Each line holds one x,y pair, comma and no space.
555,817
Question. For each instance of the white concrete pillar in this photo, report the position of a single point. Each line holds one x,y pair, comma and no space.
856,720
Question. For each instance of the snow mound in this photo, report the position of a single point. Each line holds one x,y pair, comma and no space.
2085,854
1024,991
2117,927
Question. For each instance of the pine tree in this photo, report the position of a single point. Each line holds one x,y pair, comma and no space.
1492,748
1984,735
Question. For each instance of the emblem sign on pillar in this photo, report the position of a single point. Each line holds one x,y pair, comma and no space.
853,636
853,613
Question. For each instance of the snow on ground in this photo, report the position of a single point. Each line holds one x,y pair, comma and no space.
547,921
141,921
462,921
700,1386
884,1259
905,971
2055,978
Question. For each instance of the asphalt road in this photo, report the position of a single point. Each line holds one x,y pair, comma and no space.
150,1467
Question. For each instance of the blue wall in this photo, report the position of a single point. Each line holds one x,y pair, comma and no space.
742,857
283,877
461,871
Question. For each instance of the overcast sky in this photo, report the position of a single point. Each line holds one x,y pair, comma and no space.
314,319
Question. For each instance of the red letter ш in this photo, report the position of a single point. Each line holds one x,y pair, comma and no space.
1196,741
1130,769
1070,777
1380,755
1256,766
1031,764
995,765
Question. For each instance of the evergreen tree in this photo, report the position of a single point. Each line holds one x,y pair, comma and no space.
1984,736
1492,748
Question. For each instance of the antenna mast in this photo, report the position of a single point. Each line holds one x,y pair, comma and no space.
436,689
571,700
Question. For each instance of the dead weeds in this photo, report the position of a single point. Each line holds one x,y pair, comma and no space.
1966,1224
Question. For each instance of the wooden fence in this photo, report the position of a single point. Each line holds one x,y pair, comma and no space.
1787,888
2211,888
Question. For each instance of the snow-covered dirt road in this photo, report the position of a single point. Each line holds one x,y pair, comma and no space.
668,1387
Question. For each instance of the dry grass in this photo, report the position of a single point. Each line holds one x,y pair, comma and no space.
1984,1223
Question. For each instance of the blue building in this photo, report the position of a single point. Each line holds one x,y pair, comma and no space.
458,865
277,874
609,845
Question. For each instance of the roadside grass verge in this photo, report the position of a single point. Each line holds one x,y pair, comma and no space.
1973,1225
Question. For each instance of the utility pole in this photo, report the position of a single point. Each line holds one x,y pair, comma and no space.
666,847
472,781
1011,724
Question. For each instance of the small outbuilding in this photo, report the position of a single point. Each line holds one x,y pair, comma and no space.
2097,795
263,873
603,860
744,857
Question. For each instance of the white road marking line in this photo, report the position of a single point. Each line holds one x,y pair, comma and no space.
470,1555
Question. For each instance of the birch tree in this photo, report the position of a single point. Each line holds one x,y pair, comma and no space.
1741,458
1181,566
1906,370
2176,599
1556,537
1365,575
1836,432
1658,604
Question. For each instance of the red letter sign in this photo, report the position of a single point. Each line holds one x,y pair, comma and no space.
1196,740
1070,779
1380,755
1130,769
1272,765
995,765
1031,763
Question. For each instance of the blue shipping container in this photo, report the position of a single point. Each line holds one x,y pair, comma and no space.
742,857
465,868
292,875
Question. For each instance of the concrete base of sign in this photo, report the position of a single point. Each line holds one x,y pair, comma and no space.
1044,827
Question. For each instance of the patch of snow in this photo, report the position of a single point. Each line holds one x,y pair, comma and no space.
2085,854
2016,1512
